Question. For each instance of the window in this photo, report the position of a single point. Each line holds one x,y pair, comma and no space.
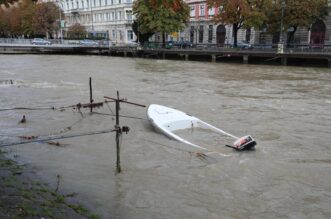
201,34
130,35
119,15
210,33
192,11
192,34
113,34
129,15
202,10
211,11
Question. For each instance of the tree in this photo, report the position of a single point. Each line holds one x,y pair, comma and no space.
44,18
240,13
7,2
3,23
142,37
76,31
297,13
161,16
28,8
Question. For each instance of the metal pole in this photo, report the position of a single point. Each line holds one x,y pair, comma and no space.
91,17
281,43
281,22
118,134
61,33
91,100
115,26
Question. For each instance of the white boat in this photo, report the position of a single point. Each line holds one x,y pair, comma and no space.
168,120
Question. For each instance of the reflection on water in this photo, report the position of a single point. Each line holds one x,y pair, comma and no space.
285,109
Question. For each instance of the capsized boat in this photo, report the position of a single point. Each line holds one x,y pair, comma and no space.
168,120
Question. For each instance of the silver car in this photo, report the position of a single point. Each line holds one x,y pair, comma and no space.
88,42
40,41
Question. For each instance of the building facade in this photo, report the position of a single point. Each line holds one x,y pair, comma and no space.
113,19
201,29
107,19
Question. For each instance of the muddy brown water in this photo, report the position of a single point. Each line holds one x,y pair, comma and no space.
286,109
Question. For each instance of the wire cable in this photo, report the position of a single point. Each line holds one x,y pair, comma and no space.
42,139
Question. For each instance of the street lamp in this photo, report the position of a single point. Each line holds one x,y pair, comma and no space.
92,27
60,11
281,41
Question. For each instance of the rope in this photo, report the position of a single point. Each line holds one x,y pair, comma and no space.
46,108
124,116
39,139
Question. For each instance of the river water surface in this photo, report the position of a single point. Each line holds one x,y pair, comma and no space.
286,109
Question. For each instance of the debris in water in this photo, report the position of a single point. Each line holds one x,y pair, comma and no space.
23,120
55,143
199,155
28,137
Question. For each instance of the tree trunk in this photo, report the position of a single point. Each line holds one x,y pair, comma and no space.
235,34
163,40
290,37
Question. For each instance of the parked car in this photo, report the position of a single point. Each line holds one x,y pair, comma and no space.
88,42
132,43
184,44
40,41
242,45
179,44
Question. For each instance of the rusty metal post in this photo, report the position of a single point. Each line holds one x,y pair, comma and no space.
91,100
118,129
118,134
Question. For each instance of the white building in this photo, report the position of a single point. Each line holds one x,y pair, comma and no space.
102,18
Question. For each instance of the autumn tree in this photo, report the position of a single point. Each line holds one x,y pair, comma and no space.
142,37
7,2
76,31
161,16
44,20
240,13
27,8
297,13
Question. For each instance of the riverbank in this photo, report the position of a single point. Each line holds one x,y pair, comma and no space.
23,195
309,57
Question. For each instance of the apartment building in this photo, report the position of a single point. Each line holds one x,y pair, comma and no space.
102,18
113,19
201,29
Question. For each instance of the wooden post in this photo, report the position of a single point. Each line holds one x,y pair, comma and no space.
245,59
118,134
186,57
213,58
284,60
91,100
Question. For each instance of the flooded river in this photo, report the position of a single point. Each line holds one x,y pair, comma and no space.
286,109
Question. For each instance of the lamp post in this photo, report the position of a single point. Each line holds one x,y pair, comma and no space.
92,27
281,41
60,11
